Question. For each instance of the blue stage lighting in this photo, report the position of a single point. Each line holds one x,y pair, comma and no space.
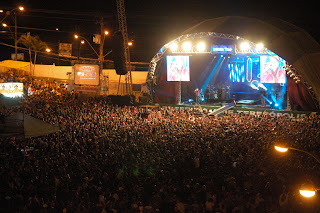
190,100
276,104
202,99
270,102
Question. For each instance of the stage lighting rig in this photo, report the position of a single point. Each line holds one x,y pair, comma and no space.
201,47
174,47
187,46
244,46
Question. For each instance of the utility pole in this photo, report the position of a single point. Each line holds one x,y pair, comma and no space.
101,45
15,37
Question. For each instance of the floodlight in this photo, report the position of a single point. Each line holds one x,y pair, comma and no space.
174,47
130,43
48,50
82,42
201,47
106,32
187,46
4,25
244,46
76,36
260,46
21,8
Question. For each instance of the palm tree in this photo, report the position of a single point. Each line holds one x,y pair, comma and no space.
26,40
33,43
37,46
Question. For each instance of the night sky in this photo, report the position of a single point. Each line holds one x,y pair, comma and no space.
151,23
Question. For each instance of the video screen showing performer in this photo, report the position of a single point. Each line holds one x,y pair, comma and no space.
178,68
271,70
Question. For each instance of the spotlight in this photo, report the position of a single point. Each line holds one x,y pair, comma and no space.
187,46
260,46
270,102
276,104
292,75
201,47
244,46
174,47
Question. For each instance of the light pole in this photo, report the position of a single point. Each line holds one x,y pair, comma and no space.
76,36
306,190
16,33
21,8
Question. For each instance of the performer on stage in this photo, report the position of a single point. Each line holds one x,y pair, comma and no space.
198,93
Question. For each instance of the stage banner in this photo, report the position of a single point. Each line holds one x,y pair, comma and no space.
223,49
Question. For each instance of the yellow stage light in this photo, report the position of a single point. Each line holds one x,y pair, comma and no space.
201,47
187,46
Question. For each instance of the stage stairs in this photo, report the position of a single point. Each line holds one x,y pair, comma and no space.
221,109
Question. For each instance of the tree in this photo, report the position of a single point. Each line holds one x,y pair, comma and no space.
37,46
33,43
26,40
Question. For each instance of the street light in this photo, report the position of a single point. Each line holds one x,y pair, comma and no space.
285,149
48,50
280,149
76,36
308,190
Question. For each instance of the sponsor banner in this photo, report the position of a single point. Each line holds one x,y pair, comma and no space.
257,112
271,113
65,49
20,57
87,89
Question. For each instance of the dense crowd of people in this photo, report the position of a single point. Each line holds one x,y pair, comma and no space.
108,158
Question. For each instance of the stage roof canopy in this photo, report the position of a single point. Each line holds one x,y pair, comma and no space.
288,41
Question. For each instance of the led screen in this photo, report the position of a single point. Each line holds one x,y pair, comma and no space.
178,68
271,69
11,89
86,74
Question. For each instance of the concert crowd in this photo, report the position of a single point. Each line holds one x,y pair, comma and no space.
108,158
